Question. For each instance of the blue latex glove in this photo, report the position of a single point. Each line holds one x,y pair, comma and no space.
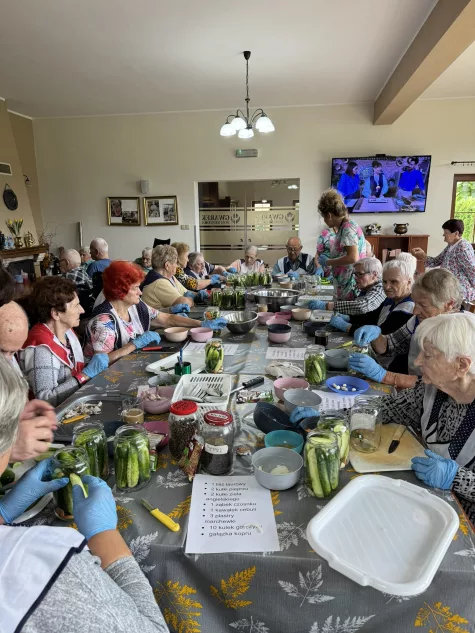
97,513
98,363
215,324
345,317
340,324
179,308
319,272
317,304
189,294
302,413
232,270
366,333
29,489
215,279
434,470
322,260
293,274
148,338
203,295
367,366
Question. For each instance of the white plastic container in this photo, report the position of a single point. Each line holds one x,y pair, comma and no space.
220,381
385,533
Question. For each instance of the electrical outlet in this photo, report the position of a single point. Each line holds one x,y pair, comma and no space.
185,227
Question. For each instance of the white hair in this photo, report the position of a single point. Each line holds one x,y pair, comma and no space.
441,286
100,245
73,257
147,251
193,257
13,397
405,268
371,265
84,250
252,248
452,334
409,259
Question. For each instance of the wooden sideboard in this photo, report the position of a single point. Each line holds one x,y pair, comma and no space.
403,242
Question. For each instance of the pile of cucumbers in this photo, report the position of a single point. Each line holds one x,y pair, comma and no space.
94,442
214,356
315,368
131,460
322,464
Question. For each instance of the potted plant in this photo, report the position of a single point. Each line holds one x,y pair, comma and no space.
14,227
373,229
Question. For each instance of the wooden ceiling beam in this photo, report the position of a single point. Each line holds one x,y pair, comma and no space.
447,32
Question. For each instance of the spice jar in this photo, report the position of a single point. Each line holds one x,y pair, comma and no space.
214,356
131,457
365,424
314,364
337,422
357,349
183,422
65,462
322,462
218,434
91,437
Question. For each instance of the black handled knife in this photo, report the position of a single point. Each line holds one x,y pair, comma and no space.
250,383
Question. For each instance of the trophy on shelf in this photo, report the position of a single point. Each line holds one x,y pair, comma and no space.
29,239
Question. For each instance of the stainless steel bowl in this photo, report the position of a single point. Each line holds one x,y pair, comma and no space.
241,322
275,298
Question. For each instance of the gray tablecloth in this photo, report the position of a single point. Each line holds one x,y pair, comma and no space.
289,591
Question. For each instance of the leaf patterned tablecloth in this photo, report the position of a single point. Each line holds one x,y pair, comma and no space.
289,591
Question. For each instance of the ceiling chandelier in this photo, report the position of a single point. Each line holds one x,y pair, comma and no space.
243,123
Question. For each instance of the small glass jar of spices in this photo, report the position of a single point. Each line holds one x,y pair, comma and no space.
314,364
218,434
183,422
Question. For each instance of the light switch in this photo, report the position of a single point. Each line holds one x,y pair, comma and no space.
185,227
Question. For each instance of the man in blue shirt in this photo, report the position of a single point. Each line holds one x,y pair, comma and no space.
411,178
100,254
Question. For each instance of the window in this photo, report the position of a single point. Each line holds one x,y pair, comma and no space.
463,203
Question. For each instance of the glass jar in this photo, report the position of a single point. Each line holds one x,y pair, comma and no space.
131,457
91,437
214,356
183,422
365,424
227,299
240,298
322,463
356,349
314,364
216,297
67,461
337,422
218,434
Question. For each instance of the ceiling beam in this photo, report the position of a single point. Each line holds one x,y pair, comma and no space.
447,32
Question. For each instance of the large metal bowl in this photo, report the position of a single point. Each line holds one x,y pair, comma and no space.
274,298
241,322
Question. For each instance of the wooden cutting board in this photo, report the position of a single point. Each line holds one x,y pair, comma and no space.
381,460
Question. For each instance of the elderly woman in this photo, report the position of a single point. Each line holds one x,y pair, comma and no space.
189,281
347,248
435,292
410,260
458,257
48,573
250,263
86,258
145,262
121,324
52,358
324,245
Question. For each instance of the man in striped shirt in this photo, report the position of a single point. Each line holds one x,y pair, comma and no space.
70,265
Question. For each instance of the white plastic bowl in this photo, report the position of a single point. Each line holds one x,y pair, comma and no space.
176,334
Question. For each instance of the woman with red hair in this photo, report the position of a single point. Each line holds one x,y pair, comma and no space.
121,324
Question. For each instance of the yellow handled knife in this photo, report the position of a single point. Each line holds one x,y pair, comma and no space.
160,516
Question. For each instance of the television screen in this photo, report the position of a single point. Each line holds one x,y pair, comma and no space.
382,184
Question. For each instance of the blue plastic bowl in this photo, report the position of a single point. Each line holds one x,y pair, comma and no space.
350,381
284,439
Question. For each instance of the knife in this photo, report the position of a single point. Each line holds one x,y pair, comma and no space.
398,433
250,383
160,516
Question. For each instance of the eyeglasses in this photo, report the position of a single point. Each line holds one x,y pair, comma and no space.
360,275
291,249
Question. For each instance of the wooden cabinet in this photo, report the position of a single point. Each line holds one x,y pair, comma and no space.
402,242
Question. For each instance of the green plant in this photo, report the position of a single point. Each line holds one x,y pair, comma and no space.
465,207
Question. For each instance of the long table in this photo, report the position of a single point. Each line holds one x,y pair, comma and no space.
287,591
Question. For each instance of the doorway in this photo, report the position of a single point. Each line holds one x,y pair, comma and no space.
236,214
463,203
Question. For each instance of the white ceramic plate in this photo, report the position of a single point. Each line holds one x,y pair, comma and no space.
197,362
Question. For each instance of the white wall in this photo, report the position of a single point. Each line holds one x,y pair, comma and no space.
83,160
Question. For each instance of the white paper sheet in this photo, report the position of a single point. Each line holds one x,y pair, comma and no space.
324,296
331,400
285,353
229,348
230,514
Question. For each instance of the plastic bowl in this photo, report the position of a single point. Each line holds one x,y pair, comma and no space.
176,334
163,378
301,398
350,381
337,358
201,334
159,426
284,439
279,333
268,417
158,406
263,317
269,458
287,310
277,321
287,285
309,424
301,314
282,384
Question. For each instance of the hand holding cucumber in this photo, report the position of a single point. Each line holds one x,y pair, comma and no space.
96,512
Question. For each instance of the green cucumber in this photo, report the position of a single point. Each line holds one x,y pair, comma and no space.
132,467
144,462
121,458
314,476
333,469
323,472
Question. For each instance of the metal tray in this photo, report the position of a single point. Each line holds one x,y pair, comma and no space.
109,416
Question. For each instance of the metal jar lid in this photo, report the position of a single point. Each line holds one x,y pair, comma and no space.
218,418
184,407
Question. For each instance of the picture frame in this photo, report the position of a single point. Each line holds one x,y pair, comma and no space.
123,211
160,210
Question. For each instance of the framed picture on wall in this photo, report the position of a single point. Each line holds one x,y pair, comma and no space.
160,210
123,211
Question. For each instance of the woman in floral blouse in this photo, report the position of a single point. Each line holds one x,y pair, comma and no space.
189,282
324,246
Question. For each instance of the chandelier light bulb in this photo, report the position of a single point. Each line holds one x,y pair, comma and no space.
247,132
264,125
227,130
238,123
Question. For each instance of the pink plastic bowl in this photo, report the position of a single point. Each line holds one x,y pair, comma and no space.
279,337
281,385
159,406
277,321
263,317
286,314
201,334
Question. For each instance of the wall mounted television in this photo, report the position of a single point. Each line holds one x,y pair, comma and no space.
382,184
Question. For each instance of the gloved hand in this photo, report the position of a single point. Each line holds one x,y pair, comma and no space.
215,324
232,270
366,333
203,295
190,295
97,513
215,279
367,366
98,363
319,272
345,317
145,339
317,304
339,323
293,274
179,308
302,413
29,489
322,260
434,470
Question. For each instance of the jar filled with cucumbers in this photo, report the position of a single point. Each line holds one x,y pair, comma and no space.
314,364
71,462
214,356
91,437
337,422
131,457
216,297
240,298
213,313
322,463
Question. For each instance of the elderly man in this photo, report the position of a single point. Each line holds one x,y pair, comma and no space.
296,262
85,253
38,420
100,254
145,262
250,263
70,266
